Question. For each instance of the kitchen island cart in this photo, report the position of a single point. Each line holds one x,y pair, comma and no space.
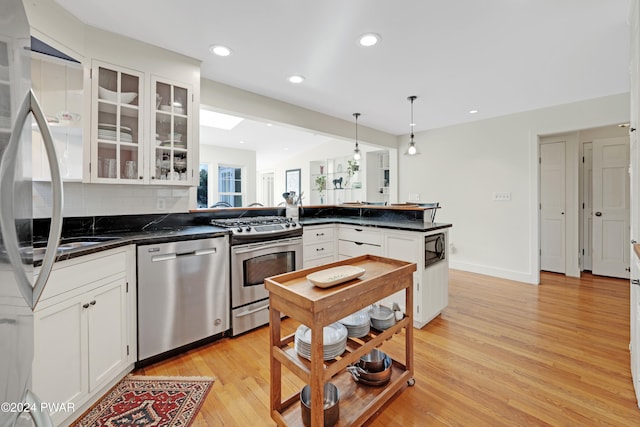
293,295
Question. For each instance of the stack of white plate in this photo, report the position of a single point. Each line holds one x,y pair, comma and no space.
108,132
334,341
357,324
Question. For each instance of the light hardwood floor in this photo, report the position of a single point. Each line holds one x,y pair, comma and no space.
501,354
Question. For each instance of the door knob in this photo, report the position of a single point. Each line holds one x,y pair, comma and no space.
598,213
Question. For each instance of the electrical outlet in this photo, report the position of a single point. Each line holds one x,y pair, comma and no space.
502,196
414,197
161,204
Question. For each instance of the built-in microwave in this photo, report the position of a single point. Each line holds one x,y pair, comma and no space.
434,249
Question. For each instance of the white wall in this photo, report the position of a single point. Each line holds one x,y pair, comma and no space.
215,156
462,166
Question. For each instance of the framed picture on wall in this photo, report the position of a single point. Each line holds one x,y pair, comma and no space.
292,180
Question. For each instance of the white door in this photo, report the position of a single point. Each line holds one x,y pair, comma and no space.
587,205
611,207
552,208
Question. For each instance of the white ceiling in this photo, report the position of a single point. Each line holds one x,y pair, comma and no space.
497,56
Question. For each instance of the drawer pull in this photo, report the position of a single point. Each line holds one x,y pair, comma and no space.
358,229
85,305
93,302
359,243
319,249
635,282
319,234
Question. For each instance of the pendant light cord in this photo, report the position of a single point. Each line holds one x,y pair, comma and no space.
412,124
356,115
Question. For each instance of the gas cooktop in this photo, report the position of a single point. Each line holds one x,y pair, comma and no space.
265,226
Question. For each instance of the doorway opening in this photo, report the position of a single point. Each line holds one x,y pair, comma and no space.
584,202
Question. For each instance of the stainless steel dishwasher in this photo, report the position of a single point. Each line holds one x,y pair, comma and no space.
183,294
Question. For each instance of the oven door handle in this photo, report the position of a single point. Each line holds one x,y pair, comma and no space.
253,247
250,312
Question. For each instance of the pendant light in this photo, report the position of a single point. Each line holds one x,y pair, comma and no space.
412,144
356,152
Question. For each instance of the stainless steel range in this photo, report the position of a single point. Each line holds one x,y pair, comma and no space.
261,247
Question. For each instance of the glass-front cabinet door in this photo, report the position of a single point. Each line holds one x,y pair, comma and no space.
117,124
171,125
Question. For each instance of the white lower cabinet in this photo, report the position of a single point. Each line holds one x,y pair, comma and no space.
107,333
318,245
85,330
356,241
430,284
409,247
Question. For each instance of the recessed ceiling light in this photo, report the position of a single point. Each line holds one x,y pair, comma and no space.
241,142
220,50
296,79
473,111
218,120
269,125
369,39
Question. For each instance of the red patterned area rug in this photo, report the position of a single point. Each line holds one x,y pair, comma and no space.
150,402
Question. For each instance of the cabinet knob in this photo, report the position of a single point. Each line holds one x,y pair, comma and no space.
85,305
598,213
93,302
140,177
635,282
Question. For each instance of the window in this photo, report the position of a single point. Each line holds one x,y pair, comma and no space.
230,185
203,186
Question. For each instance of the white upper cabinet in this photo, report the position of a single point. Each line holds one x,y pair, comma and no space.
58,86
117,127
134,141
171,132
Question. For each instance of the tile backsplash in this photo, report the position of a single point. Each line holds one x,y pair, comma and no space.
112,199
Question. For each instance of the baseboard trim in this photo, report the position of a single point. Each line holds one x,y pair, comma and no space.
529,278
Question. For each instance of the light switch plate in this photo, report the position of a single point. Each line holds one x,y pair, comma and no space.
502,196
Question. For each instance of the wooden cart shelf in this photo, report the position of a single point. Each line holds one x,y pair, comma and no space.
293,295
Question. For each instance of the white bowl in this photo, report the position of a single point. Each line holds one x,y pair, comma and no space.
111,96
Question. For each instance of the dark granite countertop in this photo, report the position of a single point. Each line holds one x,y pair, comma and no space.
379,223
138,238
122,230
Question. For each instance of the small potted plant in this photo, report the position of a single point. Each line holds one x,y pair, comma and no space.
352,168
321,185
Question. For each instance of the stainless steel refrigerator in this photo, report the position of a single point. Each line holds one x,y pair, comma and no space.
21,284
